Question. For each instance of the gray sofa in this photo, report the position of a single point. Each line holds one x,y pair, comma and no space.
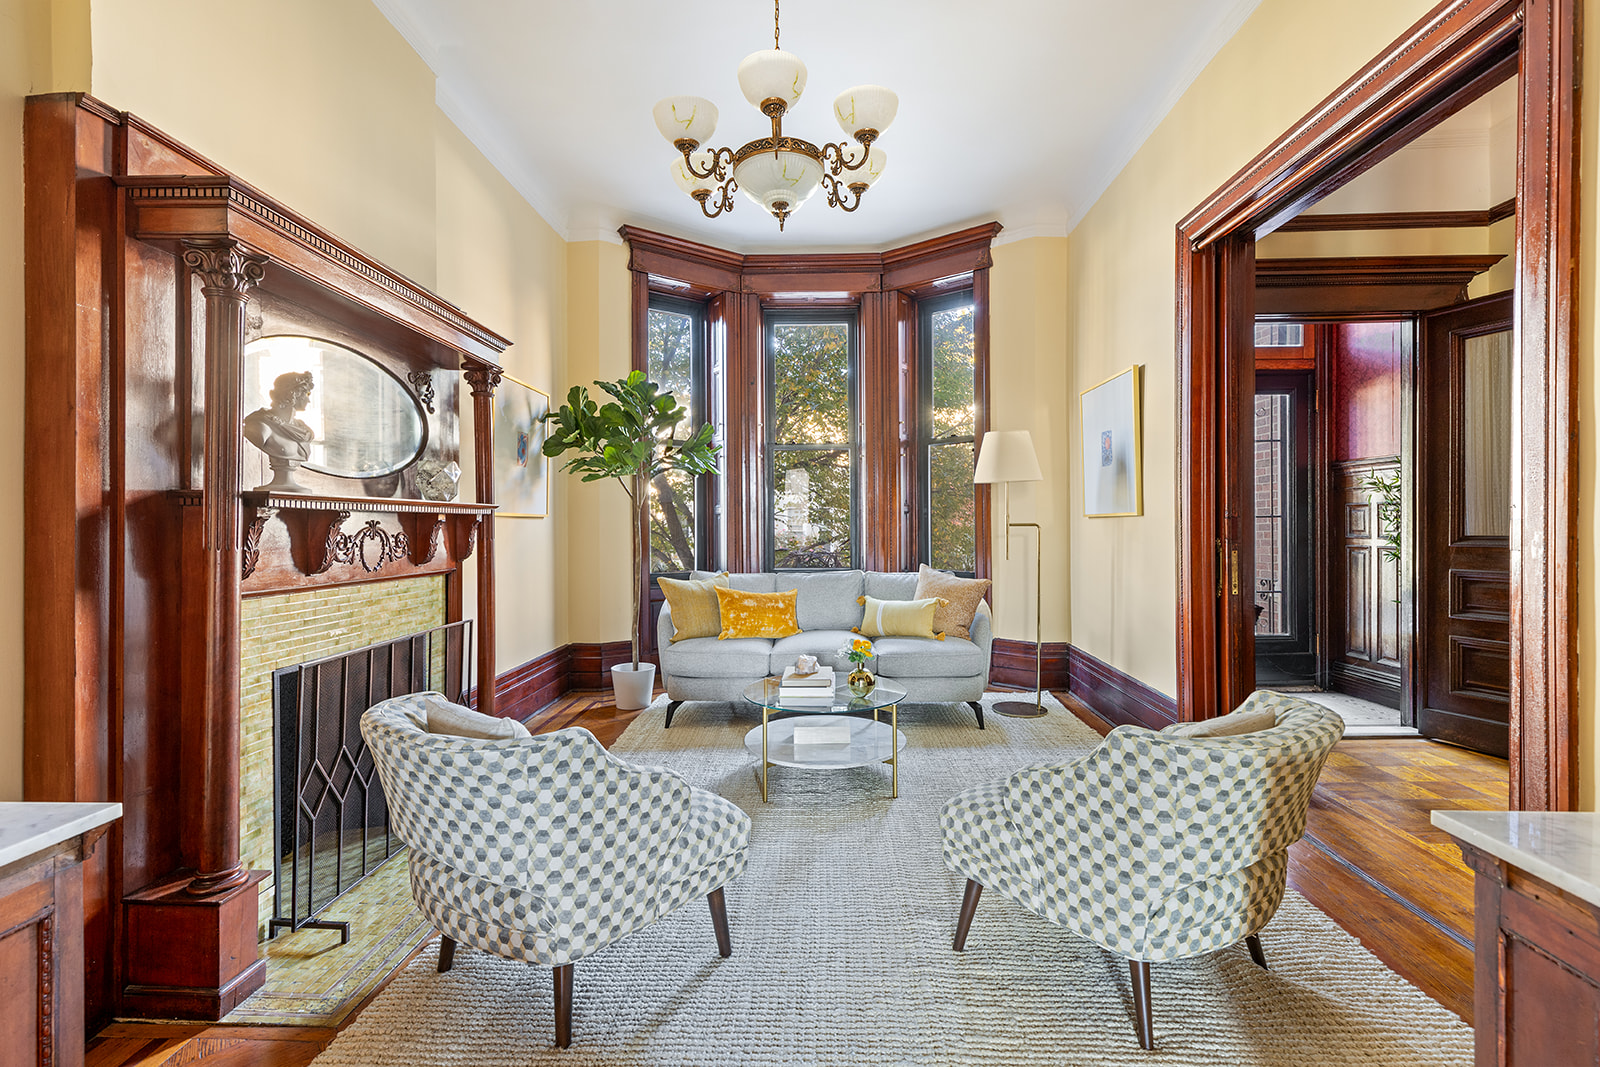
931,671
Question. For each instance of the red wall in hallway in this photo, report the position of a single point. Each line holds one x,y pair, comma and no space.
1367,362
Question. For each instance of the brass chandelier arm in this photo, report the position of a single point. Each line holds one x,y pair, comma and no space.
833,155
720,158
838,199
724,199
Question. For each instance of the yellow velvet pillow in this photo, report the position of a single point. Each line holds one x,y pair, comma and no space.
757,614
899,618
695,611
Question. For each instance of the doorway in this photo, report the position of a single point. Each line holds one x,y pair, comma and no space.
1452,57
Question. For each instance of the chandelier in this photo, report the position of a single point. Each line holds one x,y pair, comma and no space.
779,173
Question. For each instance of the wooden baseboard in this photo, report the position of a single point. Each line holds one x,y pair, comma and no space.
592,663
1377,686
1117,697
525,689
1011,662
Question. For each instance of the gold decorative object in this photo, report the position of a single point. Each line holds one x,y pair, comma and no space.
777,172
861,681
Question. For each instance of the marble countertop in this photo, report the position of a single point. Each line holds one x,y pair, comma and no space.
1561,847
28,827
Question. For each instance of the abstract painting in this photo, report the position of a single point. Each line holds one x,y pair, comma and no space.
521,471
1113,461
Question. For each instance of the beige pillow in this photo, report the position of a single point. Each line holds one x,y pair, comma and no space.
961,598
693,601
457,721
1232,725
898,618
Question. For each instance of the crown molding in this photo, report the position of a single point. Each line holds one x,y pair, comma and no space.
400,18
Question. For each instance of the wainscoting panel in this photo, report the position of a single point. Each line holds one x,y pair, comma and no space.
1117,697
1011,662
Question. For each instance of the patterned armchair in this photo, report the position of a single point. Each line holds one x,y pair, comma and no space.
547,849
1155,846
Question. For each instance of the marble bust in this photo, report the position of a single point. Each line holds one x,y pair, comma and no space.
285,439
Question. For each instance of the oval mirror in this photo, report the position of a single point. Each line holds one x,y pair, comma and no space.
364,422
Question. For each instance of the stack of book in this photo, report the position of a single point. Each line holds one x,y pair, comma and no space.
815,687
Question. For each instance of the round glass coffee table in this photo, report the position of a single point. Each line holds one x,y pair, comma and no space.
826,733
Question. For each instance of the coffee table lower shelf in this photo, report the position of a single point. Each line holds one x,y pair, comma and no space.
772,745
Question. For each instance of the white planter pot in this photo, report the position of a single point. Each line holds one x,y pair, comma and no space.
633,688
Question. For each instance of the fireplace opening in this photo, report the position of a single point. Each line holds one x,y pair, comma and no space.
331,821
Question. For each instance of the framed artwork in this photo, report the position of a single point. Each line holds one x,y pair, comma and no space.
1113,450
521,469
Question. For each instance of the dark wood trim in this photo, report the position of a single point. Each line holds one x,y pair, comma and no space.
1401,220
1340,288
1011,662
1117,697
983,495
592,663
525,689
1454,54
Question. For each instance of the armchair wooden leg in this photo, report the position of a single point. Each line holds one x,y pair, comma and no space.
719,922
672,706
563,976
447,953
1253,943
969,905
977,709
1139,970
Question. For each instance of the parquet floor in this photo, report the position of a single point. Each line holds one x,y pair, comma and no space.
1370,859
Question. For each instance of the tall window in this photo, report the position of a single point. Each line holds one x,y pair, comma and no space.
947,430
812,443
676,336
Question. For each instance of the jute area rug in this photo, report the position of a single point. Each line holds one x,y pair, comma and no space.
841,934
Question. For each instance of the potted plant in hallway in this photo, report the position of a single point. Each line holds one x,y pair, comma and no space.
629,439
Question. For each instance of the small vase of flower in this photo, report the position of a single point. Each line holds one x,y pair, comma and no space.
858,651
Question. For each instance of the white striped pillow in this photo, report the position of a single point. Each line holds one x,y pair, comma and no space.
899,618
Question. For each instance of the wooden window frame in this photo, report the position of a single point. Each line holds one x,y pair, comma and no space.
885,287
706,485
920,388
1454,53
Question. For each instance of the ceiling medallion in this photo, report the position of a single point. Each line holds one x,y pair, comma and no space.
779,172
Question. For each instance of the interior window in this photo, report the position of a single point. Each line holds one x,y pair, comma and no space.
676,346
948,427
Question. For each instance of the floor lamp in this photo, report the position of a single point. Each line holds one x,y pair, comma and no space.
1007,456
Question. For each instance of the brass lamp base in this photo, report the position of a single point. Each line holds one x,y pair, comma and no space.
1018,709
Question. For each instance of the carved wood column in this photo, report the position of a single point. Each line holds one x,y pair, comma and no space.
483,381
227,273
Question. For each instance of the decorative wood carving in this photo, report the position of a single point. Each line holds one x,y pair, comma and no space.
464,535
47,990
1347,288
255,524
484,380
422,382
426,534
328,545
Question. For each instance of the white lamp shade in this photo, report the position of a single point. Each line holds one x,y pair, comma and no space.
772,73
689,182
877,160
865,107
1007,456
692,118
770,178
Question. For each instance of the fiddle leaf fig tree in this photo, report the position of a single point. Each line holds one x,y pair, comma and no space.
629,438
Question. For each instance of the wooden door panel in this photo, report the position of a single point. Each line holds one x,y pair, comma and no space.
1364,648
1464,420
1358,606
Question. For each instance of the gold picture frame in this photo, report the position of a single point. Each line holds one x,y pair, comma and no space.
521,469
1111,417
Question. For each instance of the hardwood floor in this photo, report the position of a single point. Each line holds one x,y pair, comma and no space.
1370,859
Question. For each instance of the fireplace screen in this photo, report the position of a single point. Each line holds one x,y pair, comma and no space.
332,824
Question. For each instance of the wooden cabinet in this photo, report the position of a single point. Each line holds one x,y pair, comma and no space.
1536,986
42,849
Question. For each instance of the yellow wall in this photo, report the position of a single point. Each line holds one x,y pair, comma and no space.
504,265
600,549
1029,372
1120,290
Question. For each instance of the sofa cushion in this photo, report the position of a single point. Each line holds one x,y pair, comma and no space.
823,644
1242,721
962,597
890,585
454,720
769,615
827,599
745,583
710,657
898,618
923,657
695,612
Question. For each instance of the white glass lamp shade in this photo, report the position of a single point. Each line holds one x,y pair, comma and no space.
784,177
865,107
689,182
1007,456
877,160
691,118
770,74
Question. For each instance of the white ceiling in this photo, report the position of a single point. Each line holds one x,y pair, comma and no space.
1017,110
